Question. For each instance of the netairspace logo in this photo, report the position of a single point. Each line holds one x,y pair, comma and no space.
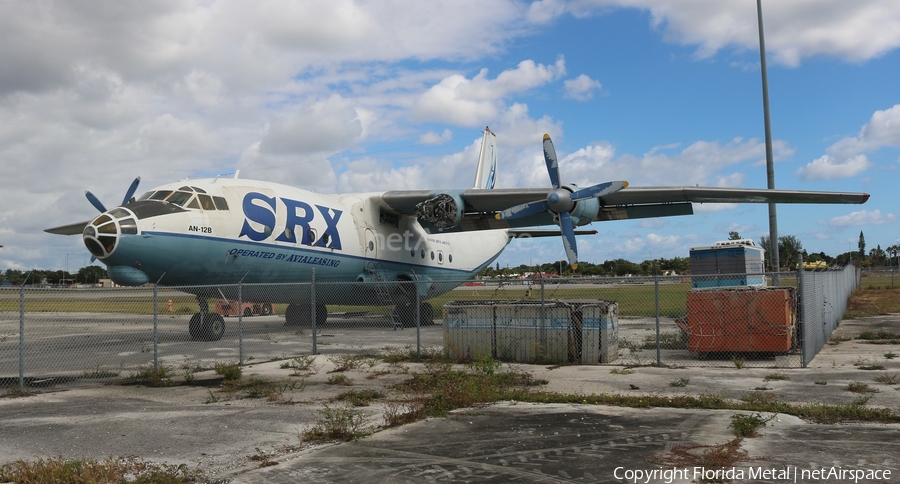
735,474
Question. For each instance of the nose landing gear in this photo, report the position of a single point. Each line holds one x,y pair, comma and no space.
206,326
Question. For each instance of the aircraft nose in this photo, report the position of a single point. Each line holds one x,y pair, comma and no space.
101,236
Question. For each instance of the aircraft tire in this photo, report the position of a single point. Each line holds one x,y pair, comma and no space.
426,314
266,309
299,315
248,312
213,327
404,315
195,327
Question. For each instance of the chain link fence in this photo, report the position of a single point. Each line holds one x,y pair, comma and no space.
52,336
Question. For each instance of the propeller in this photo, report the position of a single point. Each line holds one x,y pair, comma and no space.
561,201
128,194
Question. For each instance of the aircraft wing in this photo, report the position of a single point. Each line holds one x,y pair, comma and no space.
479,206
71,229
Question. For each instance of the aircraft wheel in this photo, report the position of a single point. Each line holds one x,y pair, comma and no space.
248,312
266,309
195,327
405,315
300,315
213,327
426,314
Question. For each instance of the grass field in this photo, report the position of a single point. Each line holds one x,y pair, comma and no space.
875,296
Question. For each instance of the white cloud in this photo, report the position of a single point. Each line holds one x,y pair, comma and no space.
469,102
581,88
847,157
862,217
795,30
432,138
828,167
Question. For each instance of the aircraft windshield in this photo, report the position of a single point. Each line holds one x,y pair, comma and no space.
188,197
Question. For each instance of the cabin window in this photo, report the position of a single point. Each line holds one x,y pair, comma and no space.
450,258
206,202
194,203
161,195
221,203
432,255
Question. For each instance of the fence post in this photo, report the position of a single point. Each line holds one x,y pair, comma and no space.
241,321
804,331
312,300
418,319
656,292
22,339
155,329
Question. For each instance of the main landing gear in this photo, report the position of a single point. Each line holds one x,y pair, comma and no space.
206,326
301,315
405,315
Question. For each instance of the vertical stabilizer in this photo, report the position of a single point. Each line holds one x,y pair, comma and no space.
486,174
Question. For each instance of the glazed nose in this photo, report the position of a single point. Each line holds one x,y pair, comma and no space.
101,235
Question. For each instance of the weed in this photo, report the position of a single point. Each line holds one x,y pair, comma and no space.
762,389
359,398
890,356
621,371
820,382
775,377
722,456
351,362
681,382
748,425
303,365
398,413
738,362
338,423
159,376
860,387
120,469
871,367
760,398
212,398
339,380
888,379
229,371
485,364
878,335
860,401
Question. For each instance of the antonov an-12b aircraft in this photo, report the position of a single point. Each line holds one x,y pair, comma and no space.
221,231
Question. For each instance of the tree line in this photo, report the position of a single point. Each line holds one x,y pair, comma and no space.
789,250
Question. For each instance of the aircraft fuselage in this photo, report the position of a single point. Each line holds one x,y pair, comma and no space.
224,231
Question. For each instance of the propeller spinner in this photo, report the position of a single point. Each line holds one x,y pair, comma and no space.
561,201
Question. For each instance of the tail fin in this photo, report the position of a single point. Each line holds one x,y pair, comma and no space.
486,174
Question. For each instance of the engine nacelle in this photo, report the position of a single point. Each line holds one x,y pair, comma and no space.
443,211
585,211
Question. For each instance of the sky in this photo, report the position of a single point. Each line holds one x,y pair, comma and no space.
354,96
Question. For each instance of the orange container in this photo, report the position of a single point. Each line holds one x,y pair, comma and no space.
740,320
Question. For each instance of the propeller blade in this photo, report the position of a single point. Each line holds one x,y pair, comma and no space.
523,210
550,159
131,190
598,190
565,224
95,201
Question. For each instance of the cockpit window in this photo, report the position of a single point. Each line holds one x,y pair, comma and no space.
179,198
185,197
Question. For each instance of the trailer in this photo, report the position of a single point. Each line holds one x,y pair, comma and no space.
225,307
